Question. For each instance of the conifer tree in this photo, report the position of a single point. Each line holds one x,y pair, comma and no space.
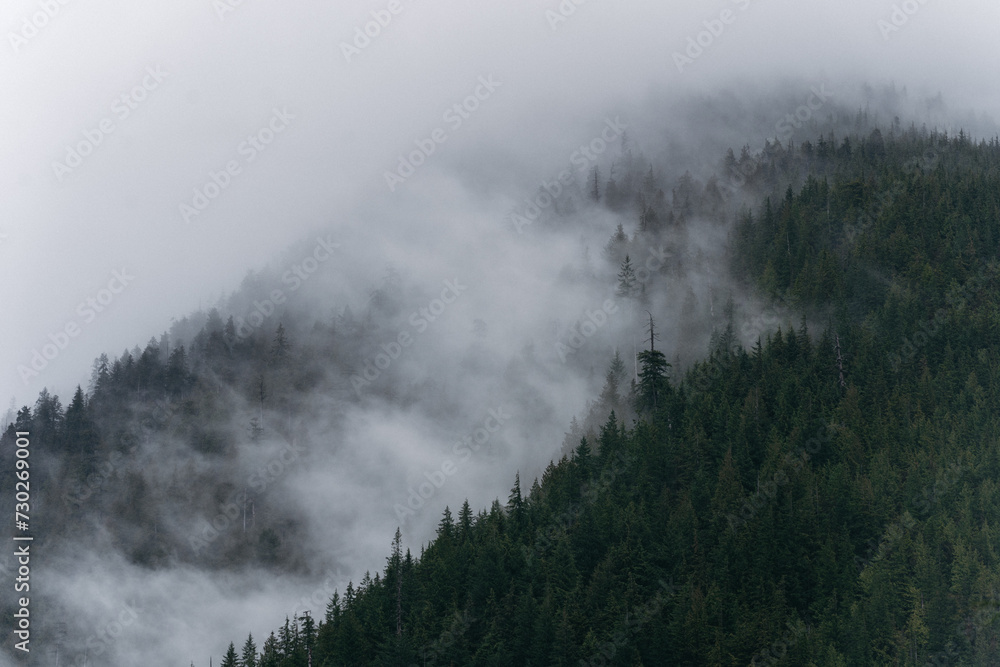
446,527
515,503
230,660
395,570
610,394
465,520
333,608
80,433
627,282
279,346
628,289
270,655
249,657
653,379
177,376
308,633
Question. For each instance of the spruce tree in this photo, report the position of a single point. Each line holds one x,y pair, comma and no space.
610,394
653,379
249,657
80,433
280,345
627,282
270,655
230,660
308,633
465,520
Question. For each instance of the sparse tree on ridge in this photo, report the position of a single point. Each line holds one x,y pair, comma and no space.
653,379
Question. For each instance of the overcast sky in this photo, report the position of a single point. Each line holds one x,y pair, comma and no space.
115,114
223,71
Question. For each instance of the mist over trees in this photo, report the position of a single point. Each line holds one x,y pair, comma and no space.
761,509
820,479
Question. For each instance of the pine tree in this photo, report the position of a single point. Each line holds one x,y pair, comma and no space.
395,569
349,597
47,417
515,502
653,379
648,220
649,182
286,638
627,282
80,433
595,188
24,421
610,396
229,332
99,375
308,634
333,609
628,290
230,660
270,655
617,245
583,459
249,657
177,376
617,370
279,346
446,527
465,521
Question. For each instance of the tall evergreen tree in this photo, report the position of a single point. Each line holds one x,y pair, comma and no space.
654,383
280,345
249,657
230,659
177,376
80,434
465,520
47,419
270,655
627,282
610,395
308,632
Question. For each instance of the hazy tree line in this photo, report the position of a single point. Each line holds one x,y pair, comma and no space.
767,510
764,491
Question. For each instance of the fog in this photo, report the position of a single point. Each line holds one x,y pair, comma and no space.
125,228
119,208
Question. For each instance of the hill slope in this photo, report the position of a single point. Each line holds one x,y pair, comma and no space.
828,497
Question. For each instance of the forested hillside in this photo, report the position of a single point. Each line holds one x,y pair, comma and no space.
817,494
827,497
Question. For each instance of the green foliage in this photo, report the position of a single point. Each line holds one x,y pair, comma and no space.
653,382
761,511
230,659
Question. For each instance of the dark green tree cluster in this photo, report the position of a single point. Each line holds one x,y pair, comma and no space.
826,498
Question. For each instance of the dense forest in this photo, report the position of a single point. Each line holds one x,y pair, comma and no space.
821,496
828,497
